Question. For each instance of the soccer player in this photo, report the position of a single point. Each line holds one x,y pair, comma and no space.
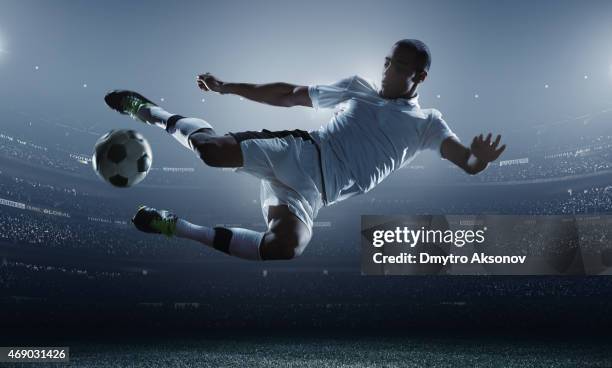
379,131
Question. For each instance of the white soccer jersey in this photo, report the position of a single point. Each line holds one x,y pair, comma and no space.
370,137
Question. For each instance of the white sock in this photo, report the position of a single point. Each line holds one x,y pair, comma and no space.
180,127
183,128
203,234
154,115
245,243
238,242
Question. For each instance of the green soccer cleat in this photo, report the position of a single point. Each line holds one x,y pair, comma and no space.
151,220
127,102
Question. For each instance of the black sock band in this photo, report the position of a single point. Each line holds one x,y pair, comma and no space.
172,121
222,239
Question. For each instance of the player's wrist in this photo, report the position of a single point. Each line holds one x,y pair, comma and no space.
225,88
477,158
477,163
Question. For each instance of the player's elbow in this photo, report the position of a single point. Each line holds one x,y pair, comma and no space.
286,101
298,96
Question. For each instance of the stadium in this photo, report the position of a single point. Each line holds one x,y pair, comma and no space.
65,247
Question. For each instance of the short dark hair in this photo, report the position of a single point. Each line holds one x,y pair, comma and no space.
423,56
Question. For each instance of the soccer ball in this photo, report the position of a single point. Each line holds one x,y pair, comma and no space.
122,157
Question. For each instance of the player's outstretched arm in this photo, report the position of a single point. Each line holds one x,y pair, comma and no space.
276,94
475,158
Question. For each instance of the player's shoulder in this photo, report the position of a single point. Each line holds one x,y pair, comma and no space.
435,120
359,83
356,83
428,116
432,113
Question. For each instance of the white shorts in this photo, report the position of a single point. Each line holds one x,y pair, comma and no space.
287,162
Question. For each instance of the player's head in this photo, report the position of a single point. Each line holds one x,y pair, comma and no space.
405,67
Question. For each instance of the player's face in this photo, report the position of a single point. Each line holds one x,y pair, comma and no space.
398,73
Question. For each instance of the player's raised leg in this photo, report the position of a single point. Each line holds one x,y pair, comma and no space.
285,238
141,108
193,133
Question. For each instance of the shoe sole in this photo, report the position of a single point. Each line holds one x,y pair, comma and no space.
110,101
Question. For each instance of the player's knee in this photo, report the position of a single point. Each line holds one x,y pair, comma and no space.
217,151
209,150
290,250
294,248
288,245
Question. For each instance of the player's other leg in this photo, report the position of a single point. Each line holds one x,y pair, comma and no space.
285,238
193,133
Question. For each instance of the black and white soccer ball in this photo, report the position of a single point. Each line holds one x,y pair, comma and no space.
122,157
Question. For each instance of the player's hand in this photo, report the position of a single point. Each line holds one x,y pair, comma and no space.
486,151
208,82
